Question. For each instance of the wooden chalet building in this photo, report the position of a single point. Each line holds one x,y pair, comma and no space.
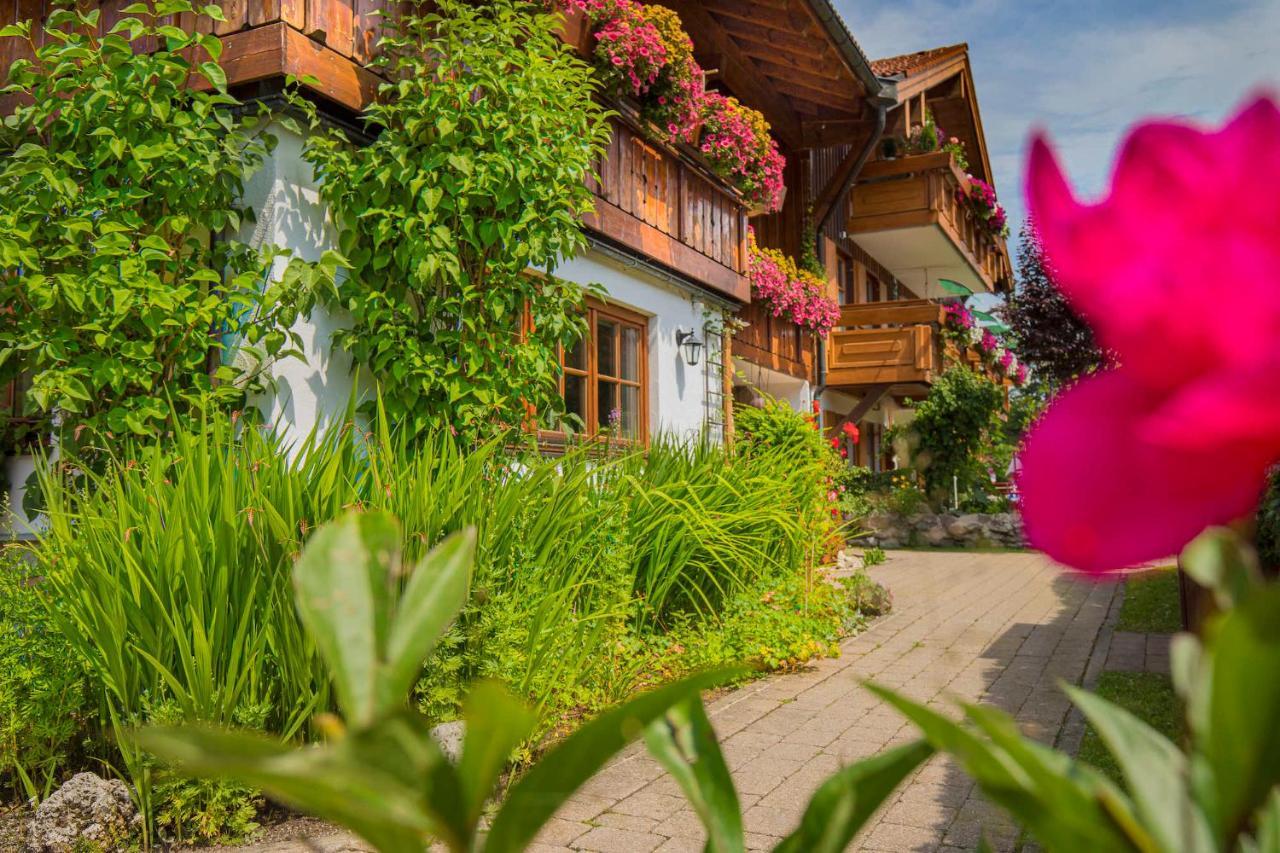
668,238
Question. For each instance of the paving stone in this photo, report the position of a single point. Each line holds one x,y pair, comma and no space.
1000,628
608,840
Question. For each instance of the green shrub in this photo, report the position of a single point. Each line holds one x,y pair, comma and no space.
44,715
952,429
482,139
866,596
115,168
873,557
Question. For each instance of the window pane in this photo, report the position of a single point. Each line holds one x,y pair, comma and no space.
575,401
609,413
629,422
630,353
577,357
606,351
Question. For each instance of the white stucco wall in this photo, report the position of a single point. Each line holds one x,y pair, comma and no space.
677,392
290,214
16,469
797,393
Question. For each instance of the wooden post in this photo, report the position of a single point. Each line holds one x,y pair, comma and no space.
726,377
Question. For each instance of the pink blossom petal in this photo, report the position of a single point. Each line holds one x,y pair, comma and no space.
1097,496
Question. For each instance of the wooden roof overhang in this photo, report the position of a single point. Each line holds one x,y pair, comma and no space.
781,58
945,78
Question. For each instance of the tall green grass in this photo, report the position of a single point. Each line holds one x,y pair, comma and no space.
171,565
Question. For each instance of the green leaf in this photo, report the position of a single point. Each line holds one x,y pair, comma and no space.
1266,839
842,805
1155,771
954,287
1238,738
436,590
541,792
1059,802
1219,561
497,723
213,72
343,593
685,744
369,783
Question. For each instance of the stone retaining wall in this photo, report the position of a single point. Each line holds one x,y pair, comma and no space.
944,530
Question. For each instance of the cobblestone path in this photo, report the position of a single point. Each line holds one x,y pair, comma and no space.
1002,628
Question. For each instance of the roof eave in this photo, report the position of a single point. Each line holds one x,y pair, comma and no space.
876,87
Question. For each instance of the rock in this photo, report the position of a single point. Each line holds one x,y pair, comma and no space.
88,812
936,535
969,530
449,736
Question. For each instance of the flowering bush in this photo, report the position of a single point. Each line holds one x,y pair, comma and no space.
1020,375
957,317
956,149
989,344
675,100
793,293
980,197
629,49
736,141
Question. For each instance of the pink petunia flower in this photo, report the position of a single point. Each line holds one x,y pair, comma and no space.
1175,270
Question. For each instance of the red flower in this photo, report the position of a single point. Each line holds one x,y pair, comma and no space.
1175,270
851,430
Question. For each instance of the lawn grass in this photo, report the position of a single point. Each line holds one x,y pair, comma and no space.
1151,603
1147,695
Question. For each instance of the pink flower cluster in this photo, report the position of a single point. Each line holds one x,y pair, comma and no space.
1020,375
958,317
629,47
737,142
796,294
981,198
1006,360
988,343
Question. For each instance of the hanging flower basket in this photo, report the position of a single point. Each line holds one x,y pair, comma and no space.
767,206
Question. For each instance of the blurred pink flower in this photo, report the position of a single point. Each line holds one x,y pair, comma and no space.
1176,271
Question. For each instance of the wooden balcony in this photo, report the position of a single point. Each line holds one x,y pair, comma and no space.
905,213
661,202
775,343
886,343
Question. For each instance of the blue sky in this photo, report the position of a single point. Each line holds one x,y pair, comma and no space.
1084,69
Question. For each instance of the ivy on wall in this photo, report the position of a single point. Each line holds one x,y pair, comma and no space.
476,176
116,180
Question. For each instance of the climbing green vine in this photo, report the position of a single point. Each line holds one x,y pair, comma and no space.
119,184
475,178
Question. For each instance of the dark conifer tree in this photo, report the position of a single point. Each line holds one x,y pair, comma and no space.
1047,333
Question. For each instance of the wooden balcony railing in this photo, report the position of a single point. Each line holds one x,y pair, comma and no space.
775,342
660,201
892,355
895,343
920,192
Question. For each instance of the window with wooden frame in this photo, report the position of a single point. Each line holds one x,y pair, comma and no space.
605,383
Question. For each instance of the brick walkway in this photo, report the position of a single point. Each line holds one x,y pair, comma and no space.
1000,628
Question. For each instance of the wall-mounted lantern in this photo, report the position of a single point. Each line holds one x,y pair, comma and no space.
690,344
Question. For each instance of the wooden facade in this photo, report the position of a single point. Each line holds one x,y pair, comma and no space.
663,202
896,343
912,192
